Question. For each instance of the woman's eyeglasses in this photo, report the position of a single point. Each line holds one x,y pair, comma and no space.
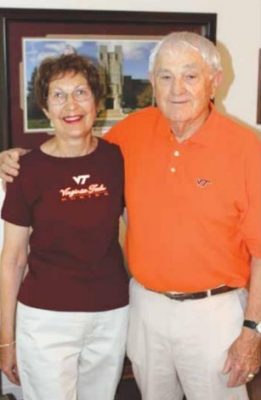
59,97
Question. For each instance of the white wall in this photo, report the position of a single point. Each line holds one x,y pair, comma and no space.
238,35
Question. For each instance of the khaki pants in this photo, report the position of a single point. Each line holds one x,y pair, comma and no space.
70,355
179,347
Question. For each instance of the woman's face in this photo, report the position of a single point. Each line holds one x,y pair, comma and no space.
71,106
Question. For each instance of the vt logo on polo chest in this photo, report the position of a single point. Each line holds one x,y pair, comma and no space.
203,182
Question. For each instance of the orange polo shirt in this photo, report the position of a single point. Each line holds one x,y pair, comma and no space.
194,208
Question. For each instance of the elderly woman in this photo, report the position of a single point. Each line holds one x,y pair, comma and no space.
66,321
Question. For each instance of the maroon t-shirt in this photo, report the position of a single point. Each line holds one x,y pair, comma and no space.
73,206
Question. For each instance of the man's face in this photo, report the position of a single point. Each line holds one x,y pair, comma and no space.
183,84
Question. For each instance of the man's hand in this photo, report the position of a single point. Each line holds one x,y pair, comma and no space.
244,358
9,163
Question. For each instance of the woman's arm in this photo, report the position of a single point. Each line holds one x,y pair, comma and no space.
12,269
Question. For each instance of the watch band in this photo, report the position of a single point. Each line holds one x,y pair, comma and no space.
250,324
253,325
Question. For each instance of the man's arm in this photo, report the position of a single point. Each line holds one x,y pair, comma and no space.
244,355
9,163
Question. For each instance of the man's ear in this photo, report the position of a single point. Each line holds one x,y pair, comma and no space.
152,79
152,82
218,78
216,82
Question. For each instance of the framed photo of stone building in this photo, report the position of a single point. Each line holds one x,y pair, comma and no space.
123,68
119,42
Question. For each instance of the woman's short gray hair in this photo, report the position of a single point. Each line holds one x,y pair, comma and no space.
205,47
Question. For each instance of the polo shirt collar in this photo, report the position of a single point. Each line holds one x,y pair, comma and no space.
205,134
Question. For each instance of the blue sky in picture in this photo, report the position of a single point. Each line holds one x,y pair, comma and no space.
135,52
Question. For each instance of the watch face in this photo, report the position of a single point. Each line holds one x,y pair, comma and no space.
258,327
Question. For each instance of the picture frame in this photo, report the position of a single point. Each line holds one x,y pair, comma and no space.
258,117
15,24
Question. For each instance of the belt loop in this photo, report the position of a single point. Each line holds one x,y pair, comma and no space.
209,292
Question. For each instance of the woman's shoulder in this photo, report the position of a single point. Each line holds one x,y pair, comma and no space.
110,153
110,148
30,157
31,163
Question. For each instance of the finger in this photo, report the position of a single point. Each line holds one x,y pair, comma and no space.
6,178
236,377
16,374
22,152
9,162
13,378
11,375
239,378
227,366
8,171
16,153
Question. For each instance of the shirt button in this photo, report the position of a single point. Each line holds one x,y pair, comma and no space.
176,153
172,169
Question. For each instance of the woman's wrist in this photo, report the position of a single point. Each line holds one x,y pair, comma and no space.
9,344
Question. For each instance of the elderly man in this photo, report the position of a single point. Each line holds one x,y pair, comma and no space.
193,196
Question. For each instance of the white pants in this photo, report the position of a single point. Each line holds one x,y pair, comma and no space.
70,355
179,347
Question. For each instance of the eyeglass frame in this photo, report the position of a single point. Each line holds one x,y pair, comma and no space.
62,101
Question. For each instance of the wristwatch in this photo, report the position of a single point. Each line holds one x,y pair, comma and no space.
252,325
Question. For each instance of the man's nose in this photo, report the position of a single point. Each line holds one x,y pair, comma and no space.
177,86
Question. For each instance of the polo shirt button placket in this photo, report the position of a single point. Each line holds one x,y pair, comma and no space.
176,153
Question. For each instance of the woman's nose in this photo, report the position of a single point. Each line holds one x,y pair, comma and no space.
70,100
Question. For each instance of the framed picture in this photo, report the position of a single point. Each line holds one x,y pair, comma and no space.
123,69
28,35
258,118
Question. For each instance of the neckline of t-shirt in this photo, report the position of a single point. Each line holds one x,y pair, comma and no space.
60,159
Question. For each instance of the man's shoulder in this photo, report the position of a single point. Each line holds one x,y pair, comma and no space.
134,124
139,115
237,131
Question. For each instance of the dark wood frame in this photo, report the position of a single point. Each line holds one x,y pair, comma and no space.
31,22
258,117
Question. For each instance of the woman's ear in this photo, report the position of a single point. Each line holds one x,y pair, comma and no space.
46,112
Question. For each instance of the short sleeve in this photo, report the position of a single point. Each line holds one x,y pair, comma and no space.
16,209
114,134
252,222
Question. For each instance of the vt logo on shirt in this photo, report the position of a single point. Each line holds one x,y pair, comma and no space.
203,182
82,193
81,179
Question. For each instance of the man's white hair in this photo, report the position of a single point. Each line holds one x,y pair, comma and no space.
205,47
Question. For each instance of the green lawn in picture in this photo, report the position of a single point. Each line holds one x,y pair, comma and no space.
38,124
